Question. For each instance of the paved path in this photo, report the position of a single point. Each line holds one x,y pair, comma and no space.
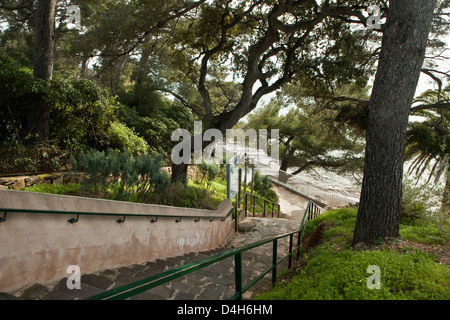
292,205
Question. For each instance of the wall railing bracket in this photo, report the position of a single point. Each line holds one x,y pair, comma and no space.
73,220
3,219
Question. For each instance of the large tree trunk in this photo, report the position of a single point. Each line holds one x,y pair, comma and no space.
179,173
37,117
402,55
284,164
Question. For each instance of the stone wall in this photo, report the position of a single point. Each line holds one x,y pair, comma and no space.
38,248
20,182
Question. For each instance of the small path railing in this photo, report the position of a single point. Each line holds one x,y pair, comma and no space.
253,197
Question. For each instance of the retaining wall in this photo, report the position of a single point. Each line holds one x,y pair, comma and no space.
38,248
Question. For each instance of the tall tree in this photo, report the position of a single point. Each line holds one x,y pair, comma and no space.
268,45
44,38
309,138
38,115
401,59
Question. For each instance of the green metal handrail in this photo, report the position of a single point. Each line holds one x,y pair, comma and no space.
135,288
122,215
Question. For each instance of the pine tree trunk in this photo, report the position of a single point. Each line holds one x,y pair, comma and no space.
37,117
402,55
284,164
179,173
143,69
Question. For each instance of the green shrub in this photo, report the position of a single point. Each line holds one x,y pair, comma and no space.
272,196
179,195
82,113
126,139
130,178
208,170
91,119
155,121
18,92
261,184
417,201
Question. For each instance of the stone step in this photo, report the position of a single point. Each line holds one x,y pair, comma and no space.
210,283
62,292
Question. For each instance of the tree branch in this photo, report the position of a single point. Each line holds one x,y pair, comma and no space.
176,95
318,162
18,7
443,105
207,55
428,71
140,39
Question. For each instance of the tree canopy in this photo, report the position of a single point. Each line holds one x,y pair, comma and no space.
136,70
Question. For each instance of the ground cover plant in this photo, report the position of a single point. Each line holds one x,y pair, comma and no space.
414,266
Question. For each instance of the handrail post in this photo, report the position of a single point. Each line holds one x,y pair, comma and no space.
246,196
279,210
291,239
274,263
236,217
264,214
238,274
272,209
239,189
253,204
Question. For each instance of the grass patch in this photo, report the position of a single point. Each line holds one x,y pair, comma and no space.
217,191
67,189
427,233
193,195
332,275
335,271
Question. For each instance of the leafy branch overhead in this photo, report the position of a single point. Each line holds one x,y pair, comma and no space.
267,47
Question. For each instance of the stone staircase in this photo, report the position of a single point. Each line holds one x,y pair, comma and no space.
215,282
